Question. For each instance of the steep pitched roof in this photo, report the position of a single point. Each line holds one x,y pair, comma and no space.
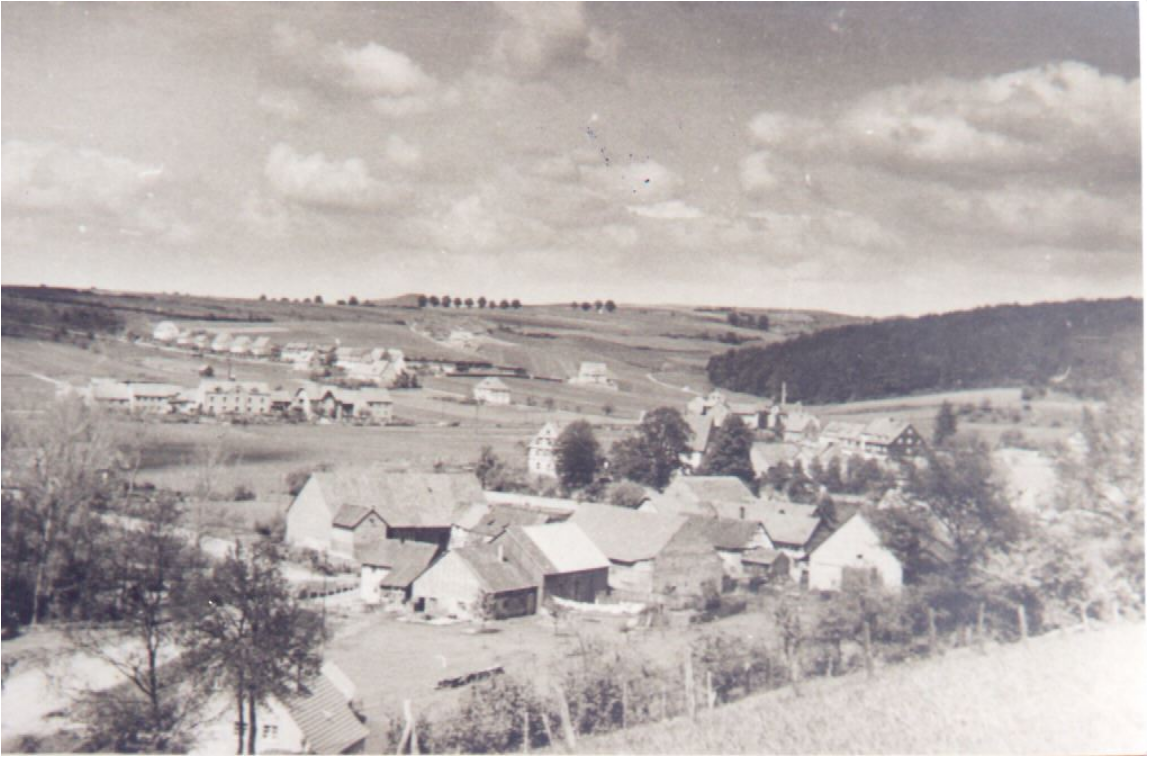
789,523
715,496
324,716
885,430
561,547
500,517
843,430
349,515
495,575
405,559
766,455
626,535
702,427
797,422
403,499
761,556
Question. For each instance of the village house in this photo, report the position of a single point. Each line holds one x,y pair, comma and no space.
294,352
354,526
767,564
701,428
388,568
561,560
316,718
754,415
414,506
374,404
651,556
221,343
764,456
853,556
241,346
165,332
475,582
732,539
223,397
791,526
109,394
154,397
498,517
717,496
892,438
847,435
200,341
594,374
800,427
261,346
702,405
492,392
542,451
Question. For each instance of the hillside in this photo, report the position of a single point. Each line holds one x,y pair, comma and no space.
1079,693
1079,346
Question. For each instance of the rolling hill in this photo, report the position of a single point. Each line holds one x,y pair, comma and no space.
1084,347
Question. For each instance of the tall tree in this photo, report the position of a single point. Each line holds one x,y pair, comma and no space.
147,565
422,301
60,469
610,306
578,456
653,455
728,451
247,630
482,301
945,425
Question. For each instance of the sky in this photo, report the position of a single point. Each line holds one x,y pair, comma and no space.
873,158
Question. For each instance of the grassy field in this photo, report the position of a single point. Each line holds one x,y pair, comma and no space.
1075,693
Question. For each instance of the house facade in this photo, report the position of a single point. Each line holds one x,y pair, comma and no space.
854,555
475,582
492,392
594,374
388,569
542,451
224,397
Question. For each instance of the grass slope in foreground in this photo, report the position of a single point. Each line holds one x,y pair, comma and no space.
1075,693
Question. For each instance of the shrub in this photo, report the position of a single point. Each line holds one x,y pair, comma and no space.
243,493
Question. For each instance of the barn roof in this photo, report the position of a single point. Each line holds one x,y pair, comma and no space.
491,383
350,515
797,422
403,499
761,556
495,575
766,455
155,389
563,546
702,427
843,430
706,496
886,429
626,535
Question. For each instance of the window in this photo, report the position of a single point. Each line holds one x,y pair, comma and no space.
269,731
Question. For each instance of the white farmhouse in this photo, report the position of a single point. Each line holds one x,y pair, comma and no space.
491,391
542,451
594,374
854,555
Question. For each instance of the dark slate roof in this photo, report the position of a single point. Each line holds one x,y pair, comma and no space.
325,718
495,576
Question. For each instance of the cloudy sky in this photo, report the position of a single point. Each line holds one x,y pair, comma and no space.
867,158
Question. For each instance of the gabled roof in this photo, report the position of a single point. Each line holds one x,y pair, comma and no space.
627,535
154,389
789,523
561,547
725,534
798,421
710,492
405,559
546,434
843,430
402,499
495,575
557,507
500,517
886,430
324,716
765,455
350,515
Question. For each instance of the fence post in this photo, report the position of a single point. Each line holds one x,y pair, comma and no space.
932,631
1022,623
710,695
566,720
690,692
868,648
981,626
406,735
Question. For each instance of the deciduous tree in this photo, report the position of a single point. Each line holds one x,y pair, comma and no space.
578,455
728,451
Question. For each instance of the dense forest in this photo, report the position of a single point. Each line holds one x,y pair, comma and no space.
1085,347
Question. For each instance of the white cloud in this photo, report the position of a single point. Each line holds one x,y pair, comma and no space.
377,70
639,183
313,180
280,104
539,34
41,175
